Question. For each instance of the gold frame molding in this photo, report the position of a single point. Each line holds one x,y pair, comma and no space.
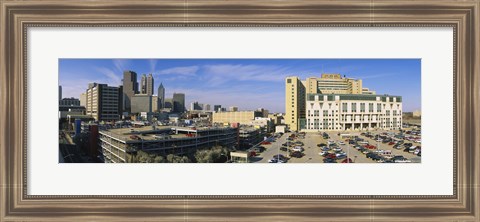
17,16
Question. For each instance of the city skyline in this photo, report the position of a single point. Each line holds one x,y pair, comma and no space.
246,83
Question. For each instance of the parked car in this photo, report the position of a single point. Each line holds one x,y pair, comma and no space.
297,154
347,160
337,149
376,157
329,160
321,145
279,156
298,148
331,156
404,160
341,143
341,156
323,153
283,148
276,160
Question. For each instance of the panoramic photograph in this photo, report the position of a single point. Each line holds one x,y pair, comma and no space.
239,111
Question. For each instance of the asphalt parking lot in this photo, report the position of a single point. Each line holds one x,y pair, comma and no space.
311,150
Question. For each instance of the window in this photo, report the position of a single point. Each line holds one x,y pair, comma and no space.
387,112
344,107
379,107
289,80
370,107
362,107
354,107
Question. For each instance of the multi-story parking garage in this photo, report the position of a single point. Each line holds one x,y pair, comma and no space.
117,145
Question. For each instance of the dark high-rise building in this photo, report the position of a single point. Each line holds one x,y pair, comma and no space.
179,102
146,84
168,103
130,88
103,102
216,108
161,96
60,93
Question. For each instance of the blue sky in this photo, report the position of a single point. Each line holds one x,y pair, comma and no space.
246,83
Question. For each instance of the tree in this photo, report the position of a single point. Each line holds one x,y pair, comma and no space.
212,155
159,159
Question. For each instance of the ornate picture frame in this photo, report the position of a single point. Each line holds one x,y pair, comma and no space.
17,16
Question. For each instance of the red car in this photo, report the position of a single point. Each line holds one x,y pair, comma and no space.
391,143
348,160
266,143
370,147
331,156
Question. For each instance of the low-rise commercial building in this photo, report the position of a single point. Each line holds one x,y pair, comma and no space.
242,117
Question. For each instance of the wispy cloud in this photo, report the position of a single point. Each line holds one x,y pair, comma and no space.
121,64
112,77
183,70
153,65
375,76
75,87
219,74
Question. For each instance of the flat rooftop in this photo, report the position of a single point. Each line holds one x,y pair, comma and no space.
129,130
159,133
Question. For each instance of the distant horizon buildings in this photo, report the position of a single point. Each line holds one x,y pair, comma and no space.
99,99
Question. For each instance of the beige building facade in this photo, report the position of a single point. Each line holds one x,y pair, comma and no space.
294,102
353,112
340,93
242,117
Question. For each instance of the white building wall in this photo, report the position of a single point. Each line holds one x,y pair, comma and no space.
325,115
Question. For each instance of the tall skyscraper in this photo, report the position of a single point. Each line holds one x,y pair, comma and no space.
161,96
104,102
147,84
60,93
217,108
130,88
179,102
294,102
